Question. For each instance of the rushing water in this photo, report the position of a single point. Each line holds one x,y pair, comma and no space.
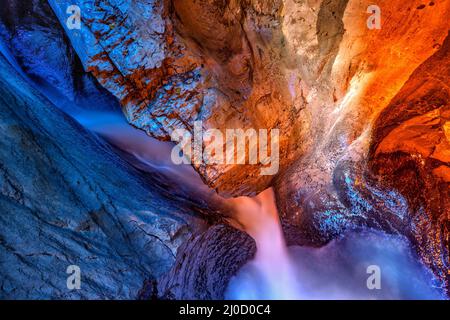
150,154
339,270
336,271
259,218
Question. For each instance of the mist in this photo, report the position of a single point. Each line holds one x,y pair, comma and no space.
338,271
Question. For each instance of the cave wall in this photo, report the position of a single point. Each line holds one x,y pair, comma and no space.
395,179
302,67
204,266
233,68
32,33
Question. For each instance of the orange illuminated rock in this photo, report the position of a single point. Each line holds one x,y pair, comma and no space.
411,153
363,112
313,70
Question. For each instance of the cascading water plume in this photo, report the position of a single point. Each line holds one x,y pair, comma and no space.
272,263
338,270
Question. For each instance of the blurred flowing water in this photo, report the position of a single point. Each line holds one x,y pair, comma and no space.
259,218
338,271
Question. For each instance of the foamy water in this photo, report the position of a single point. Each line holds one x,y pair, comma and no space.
336,271
259,218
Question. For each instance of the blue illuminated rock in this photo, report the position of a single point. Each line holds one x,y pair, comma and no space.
66,198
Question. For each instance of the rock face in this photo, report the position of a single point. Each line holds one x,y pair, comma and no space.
411,153
204,266
396,180
230,69
362,113
31,31
66,198
302,68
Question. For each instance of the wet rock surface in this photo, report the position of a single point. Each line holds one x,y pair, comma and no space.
303,68
204,266
411,153
66,198
399,186
363,117
32,32
225,64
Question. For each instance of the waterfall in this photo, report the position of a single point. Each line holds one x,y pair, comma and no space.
339,270
272,263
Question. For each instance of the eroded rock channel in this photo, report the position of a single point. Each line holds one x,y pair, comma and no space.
89,115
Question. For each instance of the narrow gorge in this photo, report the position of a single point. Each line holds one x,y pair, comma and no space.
346,101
